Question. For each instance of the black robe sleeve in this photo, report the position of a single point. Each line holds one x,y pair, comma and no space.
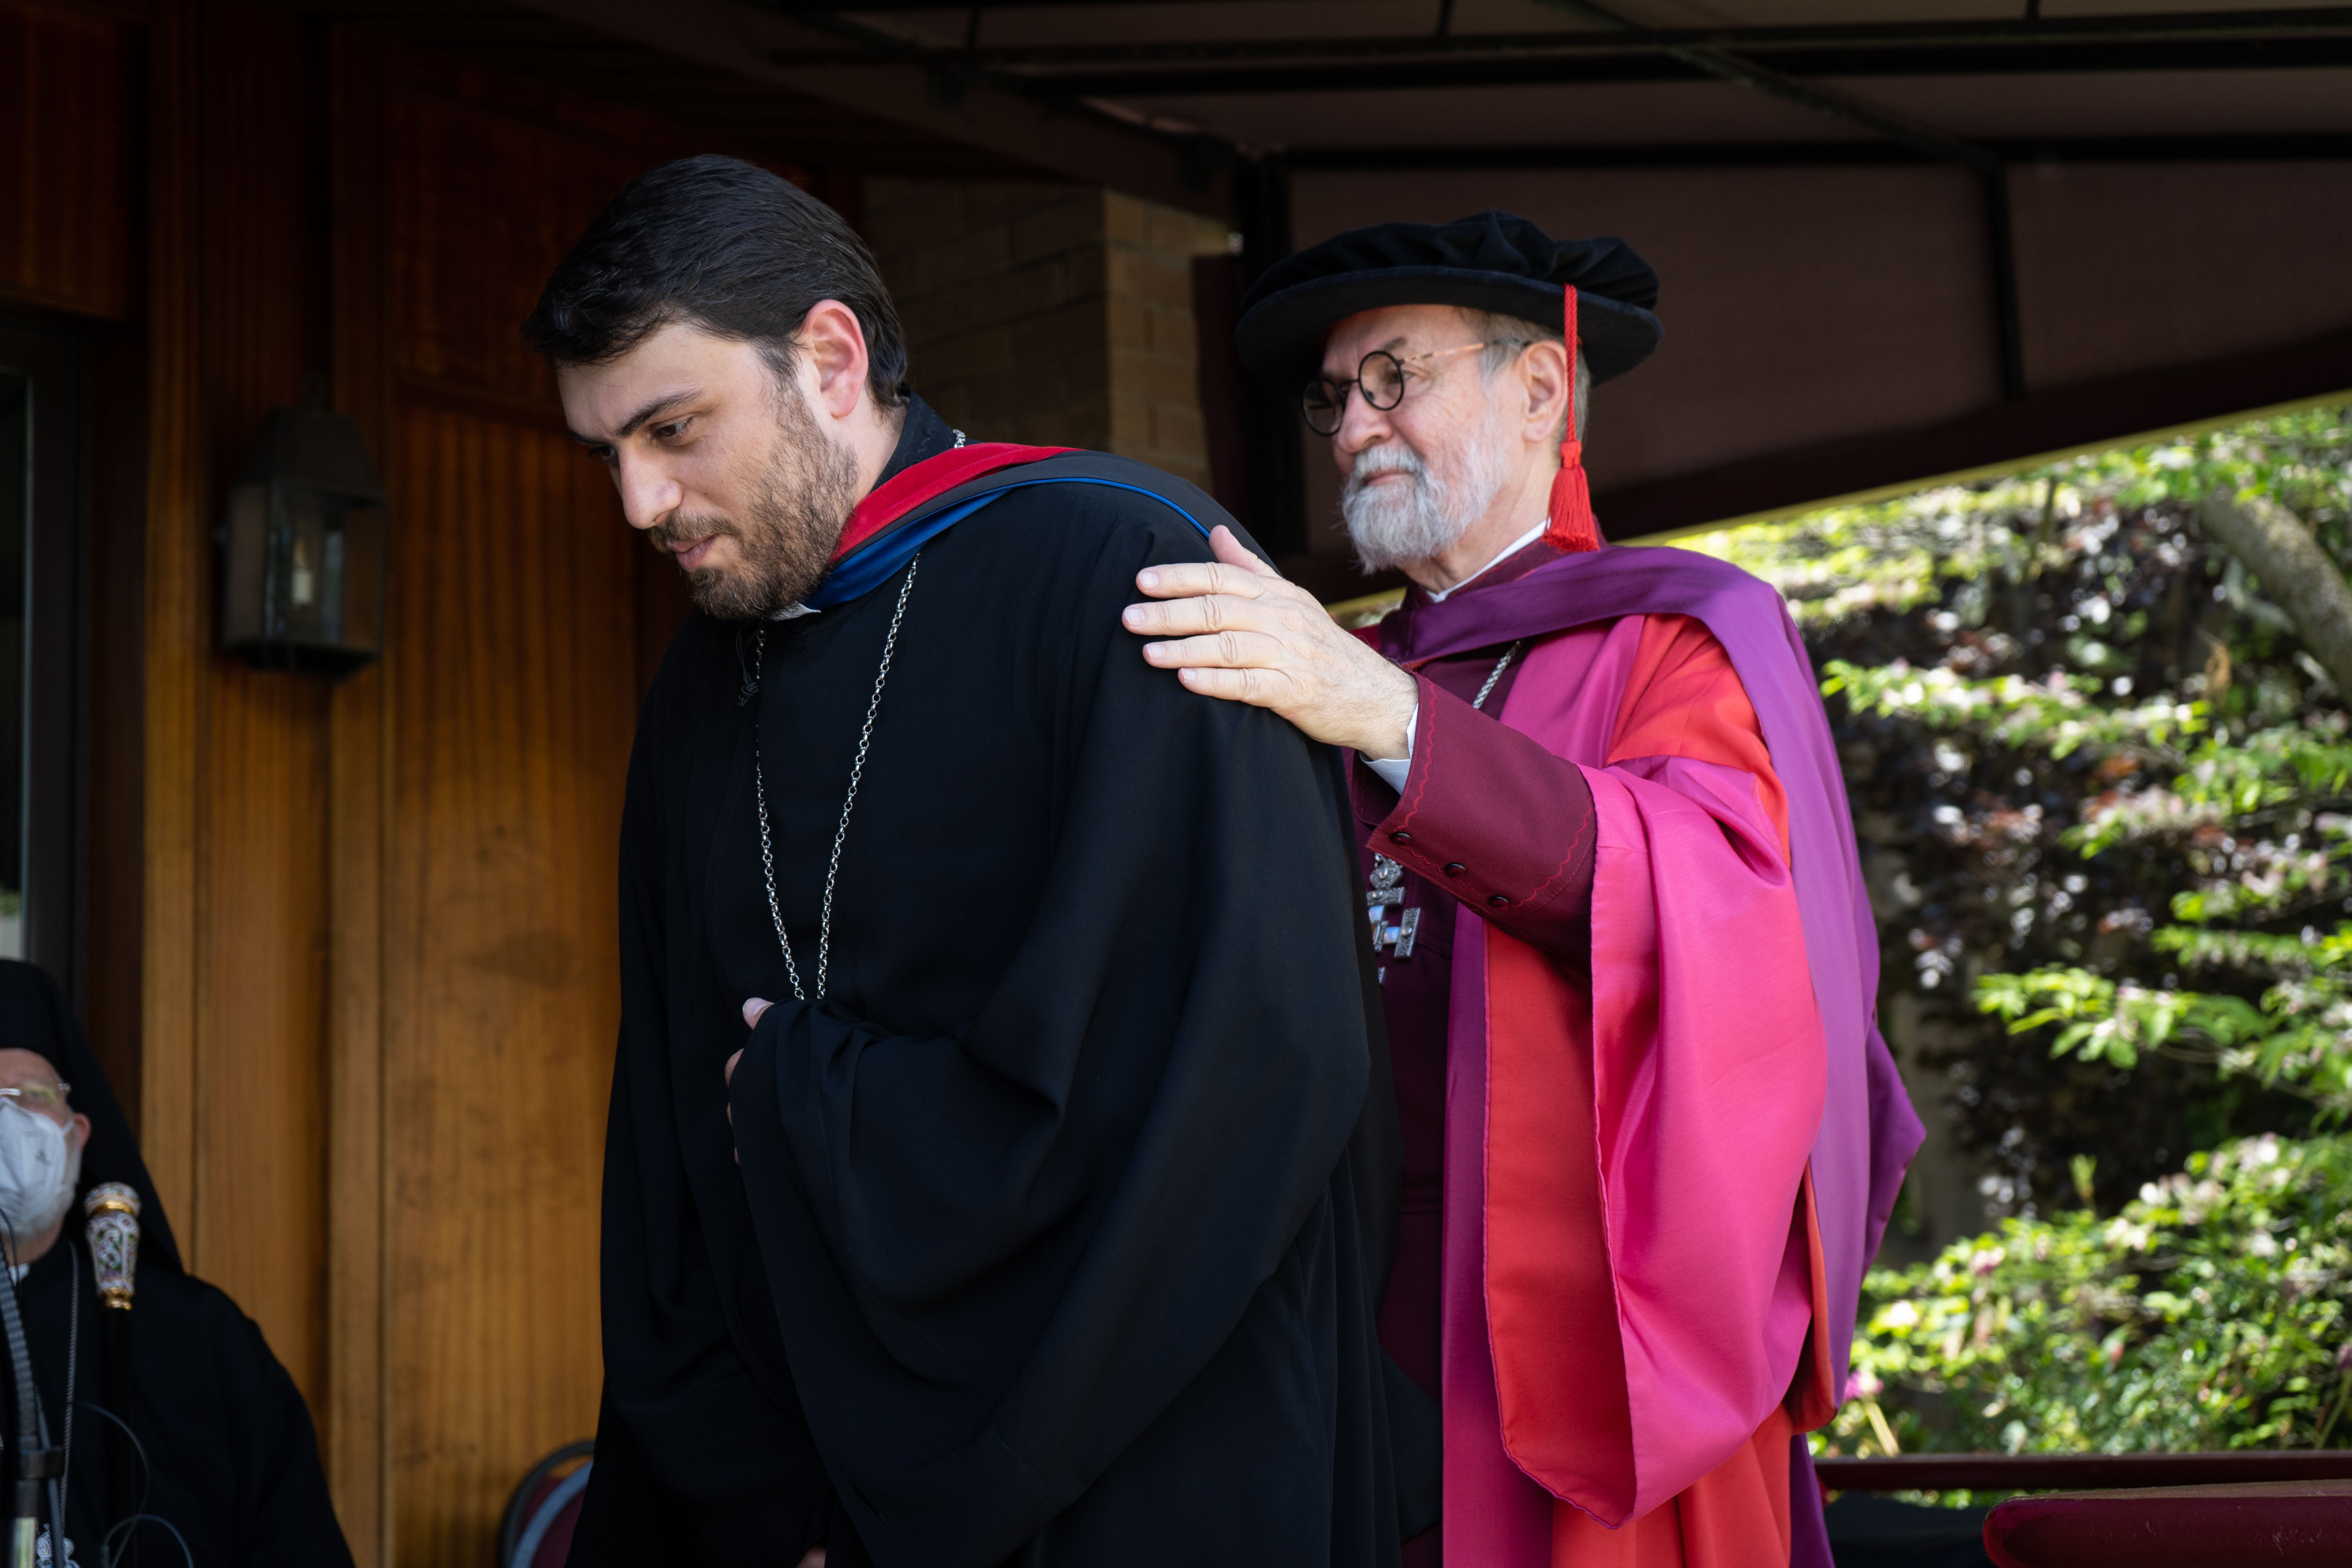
283,1513
701,1443
1001,1253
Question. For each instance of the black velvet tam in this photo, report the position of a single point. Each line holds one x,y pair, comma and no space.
1493,261
34,1017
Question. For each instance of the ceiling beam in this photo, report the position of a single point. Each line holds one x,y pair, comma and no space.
1581,67
1026,135
2320,147
875,7
2013,35
1927,141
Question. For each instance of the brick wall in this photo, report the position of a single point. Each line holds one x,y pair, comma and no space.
1050,314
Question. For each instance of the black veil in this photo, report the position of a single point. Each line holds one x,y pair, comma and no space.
33,1017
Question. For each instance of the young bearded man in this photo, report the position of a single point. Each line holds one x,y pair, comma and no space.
1652,1134
1030,984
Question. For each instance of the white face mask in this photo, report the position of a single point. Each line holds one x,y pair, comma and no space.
39,1164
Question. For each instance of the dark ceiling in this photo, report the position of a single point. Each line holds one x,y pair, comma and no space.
1169,97
2177,178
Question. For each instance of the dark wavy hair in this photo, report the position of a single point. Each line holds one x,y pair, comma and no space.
724,245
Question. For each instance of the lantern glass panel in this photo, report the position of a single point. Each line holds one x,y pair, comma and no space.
298,571
303,548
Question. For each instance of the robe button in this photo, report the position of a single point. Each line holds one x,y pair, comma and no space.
1455,867
1399,837
1498,901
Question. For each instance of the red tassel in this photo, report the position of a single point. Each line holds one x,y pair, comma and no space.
1571,526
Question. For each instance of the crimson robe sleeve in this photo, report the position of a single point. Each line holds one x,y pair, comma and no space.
1507,827
1495,820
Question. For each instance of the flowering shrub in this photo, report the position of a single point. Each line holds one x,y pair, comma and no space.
2209,1313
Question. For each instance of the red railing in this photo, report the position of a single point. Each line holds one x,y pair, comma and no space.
2080,1472
2290,1510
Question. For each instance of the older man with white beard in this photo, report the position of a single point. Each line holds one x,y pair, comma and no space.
1652,1135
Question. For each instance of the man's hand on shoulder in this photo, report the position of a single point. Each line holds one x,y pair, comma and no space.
1248,635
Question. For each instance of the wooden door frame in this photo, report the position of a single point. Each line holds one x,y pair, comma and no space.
56,359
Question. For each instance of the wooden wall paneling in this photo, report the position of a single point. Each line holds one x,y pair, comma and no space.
357,1402
495,184
67,140
178,622
513,709
232,908
513,671
259,1197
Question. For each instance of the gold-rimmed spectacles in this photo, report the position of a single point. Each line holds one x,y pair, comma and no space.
48,1099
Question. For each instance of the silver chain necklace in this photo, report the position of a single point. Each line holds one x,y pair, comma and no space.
1495,674
1386,888
848,803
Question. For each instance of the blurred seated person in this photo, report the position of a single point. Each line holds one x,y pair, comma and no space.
231,1461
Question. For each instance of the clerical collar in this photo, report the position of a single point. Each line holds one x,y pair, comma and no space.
1439,595
922,435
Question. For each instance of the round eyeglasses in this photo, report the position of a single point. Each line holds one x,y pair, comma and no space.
1380,377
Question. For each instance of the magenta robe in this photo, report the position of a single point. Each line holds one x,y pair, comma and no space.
1633,1266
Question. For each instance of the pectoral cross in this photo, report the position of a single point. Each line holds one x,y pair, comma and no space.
1386,891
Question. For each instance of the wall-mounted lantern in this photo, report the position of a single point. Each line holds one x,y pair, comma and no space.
303,551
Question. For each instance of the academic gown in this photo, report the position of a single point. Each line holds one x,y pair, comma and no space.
233,1462
1644,1078
1062,1214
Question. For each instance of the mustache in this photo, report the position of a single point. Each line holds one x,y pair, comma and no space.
1388,458
676,533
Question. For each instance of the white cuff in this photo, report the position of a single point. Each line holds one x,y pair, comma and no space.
1392,770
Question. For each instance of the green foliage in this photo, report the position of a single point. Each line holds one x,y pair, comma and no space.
2103,798
2057,714
2263,778
2209,1313
2106,803
2298,1036
1899,554
2296,460
1895,556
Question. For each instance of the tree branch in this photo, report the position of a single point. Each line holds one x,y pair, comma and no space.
2296,574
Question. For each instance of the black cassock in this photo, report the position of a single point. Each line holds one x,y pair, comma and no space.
1062,1218
232,1459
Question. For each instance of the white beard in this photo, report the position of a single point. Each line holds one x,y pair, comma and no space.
1394,524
